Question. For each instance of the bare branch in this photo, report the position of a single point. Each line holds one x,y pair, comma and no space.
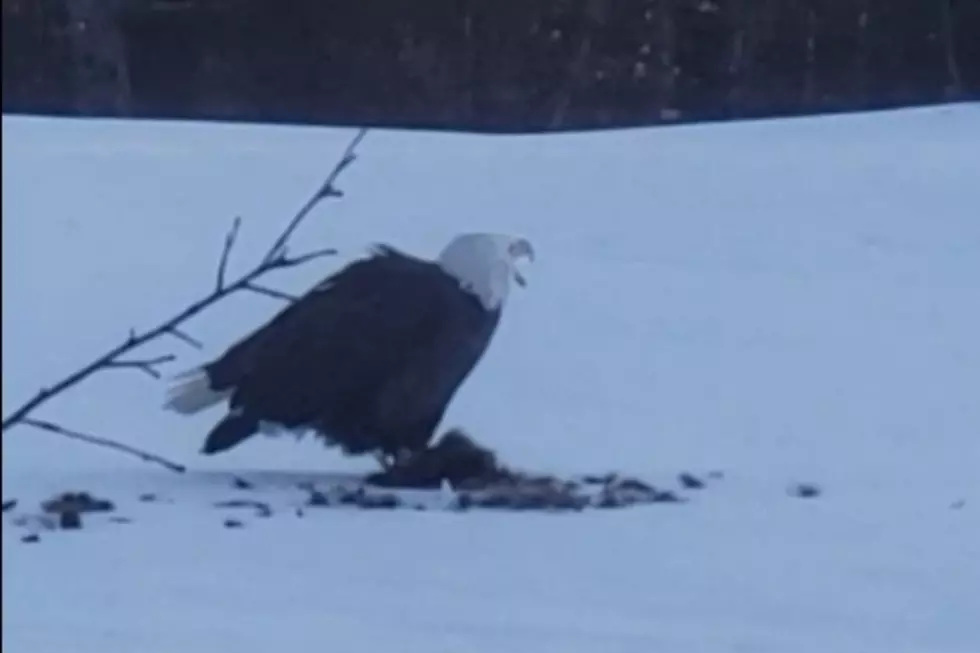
226,252
183,337
148,365
146,362
284,261
274,259
271,292
325,191
51,427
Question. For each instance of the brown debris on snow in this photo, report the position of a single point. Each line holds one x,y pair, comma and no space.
357,497
76,502
68,507
690,482
456,459
467,475
261,508
481,481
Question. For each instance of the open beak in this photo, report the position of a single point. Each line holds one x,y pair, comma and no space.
519,249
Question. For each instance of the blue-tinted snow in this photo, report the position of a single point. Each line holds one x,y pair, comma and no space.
793,300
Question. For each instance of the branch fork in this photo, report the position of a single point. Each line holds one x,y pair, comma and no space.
276,258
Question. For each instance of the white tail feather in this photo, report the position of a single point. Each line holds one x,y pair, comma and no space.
191,392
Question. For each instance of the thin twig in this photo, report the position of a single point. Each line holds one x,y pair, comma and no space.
148,365
271,292
274,260
103,442
226,252
325,191
284,261
183,337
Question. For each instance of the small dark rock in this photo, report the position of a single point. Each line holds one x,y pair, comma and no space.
69,520
233,523
559,495
665,496
77,502
607,499
148,497
317,498
958,504
716,475
31,538
10,504
631,491
534,493
351,497
690,481
261,508
88,503
805,490
241,484
557,501
634,485
121,520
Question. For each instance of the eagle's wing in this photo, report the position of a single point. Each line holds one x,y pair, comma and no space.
340,338
430,375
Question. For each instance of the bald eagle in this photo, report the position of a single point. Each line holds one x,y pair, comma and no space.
370,358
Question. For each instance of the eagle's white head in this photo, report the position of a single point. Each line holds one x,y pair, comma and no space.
484,264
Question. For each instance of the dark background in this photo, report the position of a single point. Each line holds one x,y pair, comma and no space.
486,65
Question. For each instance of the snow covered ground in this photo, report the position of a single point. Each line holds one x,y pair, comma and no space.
784,301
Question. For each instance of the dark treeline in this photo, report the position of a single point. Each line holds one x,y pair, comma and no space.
497,65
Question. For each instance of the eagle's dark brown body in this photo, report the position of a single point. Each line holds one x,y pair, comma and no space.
369,359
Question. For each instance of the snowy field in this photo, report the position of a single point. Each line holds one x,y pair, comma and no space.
782,301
